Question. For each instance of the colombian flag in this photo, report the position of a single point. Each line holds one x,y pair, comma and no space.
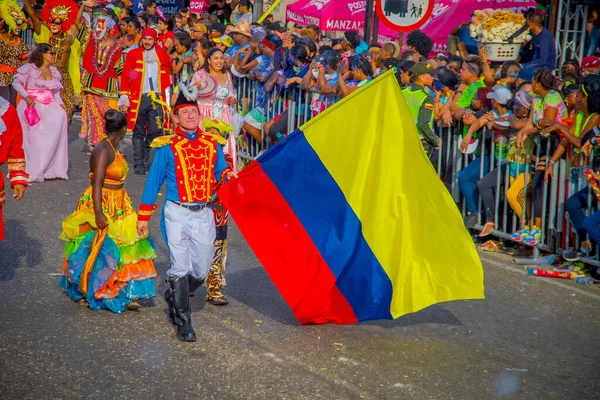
349,218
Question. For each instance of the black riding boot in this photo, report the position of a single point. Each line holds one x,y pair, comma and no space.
138,155
148,152
180,298
195,283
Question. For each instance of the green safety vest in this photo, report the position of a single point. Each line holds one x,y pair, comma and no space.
414,101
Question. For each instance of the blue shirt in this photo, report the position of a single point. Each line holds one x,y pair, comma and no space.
544,51
230,52
163,168
464,36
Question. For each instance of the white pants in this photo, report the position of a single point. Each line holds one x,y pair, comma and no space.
190,236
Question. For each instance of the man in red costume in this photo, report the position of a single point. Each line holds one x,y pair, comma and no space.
145,78
102,63
11,151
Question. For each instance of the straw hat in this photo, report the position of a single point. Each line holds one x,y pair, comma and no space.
242,28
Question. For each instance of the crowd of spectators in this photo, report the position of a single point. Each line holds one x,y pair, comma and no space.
532,112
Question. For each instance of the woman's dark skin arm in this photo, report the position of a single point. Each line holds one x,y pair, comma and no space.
35,21
101,158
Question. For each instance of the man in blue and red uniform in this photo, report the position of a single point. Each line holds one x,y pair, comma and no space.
191,162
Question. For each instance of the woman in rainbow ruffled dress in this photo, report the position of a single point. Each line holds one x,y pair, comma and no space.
107,264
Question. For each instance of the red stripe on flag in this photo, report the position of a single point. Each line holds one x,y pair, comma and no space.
285,249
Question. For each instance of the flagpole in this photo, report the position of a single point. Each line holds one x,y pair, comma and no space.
369,21
375,28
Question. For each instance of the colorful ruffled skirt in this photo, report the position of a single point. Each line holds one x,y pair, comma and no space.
108,268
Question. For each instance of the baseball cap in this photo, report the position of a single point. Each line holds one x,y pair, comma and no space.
501,94
226,40
278,26
526,74
420,68
590,62
217,26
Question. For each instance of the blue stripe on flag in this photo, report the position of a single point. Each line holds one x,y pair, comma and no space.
322,209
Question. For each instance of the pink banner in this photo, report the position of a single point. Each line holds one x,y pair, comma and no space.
345,15
197,6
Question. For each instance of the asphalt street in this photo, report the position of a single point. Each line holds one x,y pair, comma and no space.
531,338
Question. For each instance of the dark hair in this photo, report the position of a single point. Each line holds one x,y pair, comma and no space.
128,12
300,53
572,77
114,121
407,55
535,16
545,78
391,62
335,42
183,39
406,66
594,101
506,66
447,77
324,48
176,15
135,23
148,4
311,46
246,3
203,42
591,83
569,89
420,41
455,59
315,29
475,63
144,16
573,62
170,22
153,20
184,10
364,65
353,38
211,52
331,58
37,55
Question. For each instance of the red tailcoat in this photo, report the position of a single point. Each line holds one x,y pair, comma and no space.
132,81
11,152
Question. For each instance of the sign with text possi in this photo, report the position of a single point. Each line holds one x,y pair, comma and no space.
167,7
404,15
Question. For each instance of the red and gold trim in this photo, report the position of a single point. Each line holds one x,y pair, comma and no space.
146,211
16,172
2,197
192,161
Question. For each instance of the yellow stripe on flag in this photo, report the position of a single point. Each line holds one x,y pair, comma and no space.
369,144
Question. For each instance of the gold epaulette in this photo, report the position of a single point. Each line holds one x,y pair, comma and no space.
217,138
162,141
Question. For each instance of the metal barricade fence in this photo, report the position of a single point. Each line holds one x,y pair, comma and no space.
557,234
